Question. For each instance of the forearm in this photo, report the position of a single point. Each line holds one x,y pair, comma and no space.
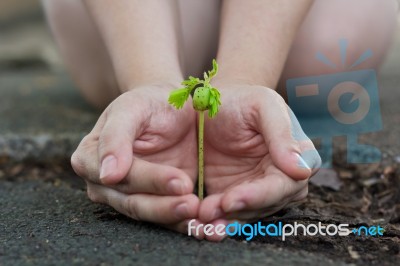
256,37
142,38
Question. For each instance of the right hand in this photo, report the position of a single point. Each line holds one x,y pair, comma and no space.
137,147
253,162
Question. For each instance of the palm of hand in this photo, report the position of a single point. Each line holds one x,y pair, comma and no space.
240,167
235,152
169,138
147,127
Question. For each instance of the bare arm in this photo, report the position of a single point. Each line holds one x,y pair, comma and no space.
143,39
256,37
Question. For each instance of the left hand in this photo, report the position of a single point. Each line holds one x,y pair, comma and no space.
152,169
253,165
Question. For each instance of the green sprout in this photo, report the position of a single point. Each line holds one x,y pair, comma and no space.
205,97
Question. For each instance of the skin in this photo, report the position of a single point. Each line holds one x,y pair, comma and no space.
145,174
116,50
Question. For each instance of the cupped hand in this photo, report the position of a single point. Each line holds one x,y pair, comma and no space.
140,158
253,164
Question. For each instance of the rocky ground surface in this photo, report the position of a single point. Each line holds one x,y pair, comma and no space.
46,218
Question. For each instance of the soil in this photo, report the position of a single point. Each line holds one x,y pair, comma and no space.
53,215
47,219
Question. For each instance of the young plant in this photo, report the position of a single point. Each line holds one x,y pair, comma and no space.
205,98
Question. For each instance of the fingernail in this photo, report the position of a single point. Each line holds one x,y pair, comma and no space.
181,210
108,165
175,186
301,162
217,213
236,206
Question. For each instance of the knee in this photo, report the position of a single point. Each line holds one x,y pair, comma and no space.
83,51
97,91
369,26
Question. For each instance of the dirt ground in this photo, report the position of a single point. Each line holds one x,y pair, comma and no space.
47,217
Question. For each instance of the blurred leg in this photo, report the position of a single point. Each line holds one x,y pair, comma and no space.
83,50
87,58
365,24
200,29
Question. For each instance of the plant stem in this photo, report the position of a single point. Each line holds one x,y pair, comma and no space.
201,156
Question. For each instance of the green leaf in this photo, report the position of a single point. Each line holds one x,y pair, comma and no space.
178,97
215,102
205,76
216,94
191,83
214,70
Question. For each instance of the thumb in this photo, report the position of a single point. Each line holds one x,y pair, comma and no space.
116,146
278,123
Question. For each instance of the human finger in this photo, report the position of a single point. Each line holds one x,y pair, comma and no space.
261,193
116,140
276,128
153,178
147,207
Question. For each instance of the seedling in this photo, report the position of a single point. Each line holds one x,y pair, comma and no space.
205,98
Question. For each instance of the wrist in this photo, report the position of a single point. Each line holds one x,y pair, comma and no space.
165,84
226,81
238,81
234,76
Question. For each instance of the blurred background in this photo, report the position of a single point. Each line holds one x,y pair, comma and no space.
32,75
25,41
43,116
